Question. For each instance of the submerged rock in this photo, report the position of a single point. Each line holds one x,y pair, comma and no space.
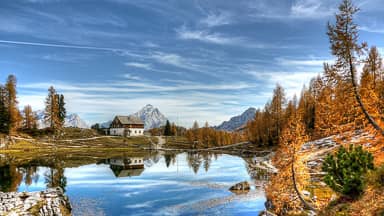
242,187
43,203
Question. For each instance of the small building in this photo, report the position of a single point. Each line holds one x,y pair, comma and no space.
126,126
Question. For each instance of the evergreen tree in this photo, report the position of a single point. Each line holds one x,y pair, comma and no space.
4,114
346,170
167,129
62,113
50,113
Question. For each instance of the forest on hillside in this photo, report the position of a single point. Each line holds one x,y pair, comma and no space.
341,101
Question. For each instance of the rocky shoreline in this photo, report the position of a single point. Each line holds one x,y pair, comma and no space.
42,203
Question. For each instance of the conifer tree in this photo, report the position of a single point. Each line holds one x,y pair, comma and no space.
346,170
62,113
371,84
167,129
4,114
55,112
345,46
11,103
29,118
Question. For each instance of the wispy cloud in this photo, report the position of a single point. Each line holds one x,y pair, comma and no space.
131,77
292,82
140,87
191,101
310,62
173,59
217,19
58,45
373,29
206,36
42,1
138,65
310,9
296,10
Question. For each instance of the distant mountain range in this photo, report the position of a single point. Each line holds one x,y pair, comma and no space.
150,115
237,121
72,120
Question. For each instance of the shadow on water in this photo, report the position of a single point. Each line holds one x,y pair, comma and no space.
18,173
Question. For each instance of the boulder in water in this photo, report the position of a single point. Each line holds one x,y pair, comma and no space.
242,187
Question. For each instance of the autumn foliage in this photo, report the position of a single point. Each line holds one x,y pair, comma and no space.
336,102
206,136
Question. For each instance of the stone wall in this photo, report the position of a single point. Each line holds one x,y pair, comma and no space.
42,203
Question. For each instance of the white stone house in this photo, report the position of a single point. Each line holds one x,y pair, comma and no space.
126,126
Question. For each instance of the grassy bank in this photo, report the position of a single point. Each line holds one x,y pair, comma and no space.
99,143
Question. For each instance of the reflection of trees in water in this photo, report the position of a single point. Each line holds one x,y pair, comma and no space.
30,174
10,178
207,161
169,158
54,176
195,160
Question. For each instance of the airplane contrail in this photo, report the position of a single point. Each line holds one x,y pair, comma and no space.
59,45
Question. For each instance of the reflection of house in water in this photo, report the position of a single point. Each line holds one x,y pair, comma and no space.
126,167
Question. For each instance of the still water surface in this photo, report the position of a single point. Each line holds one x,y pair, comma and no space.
176,184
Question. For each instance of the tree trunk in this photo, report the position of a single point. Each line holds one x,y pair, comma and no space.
358,98
306,205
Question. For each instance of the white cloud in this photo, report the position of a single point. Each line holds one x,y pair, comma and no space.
217,19
310,9
206,36
138,65
131,77
373,29
166,58
42,1
58,45
292,82
311,62
188,101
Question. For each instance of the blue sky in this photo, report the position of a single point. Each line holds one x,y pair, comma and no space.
204,60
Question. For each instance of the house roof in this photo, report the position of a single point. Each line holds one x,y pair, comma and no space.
129,120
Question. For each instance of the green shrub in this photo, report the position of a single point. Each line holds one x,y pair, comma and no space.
346,170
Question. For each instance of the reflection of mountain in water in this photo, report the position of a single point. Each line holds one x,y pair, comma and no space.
126,167
152,159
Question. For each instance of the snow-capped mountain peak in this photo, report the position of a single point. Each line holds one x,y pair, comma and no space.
151,116
72,120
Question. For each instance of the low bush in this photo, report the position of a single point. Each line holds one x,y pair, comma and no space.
346,170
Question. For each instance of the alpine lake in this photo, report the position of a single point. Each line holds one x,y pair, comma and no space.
141,182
